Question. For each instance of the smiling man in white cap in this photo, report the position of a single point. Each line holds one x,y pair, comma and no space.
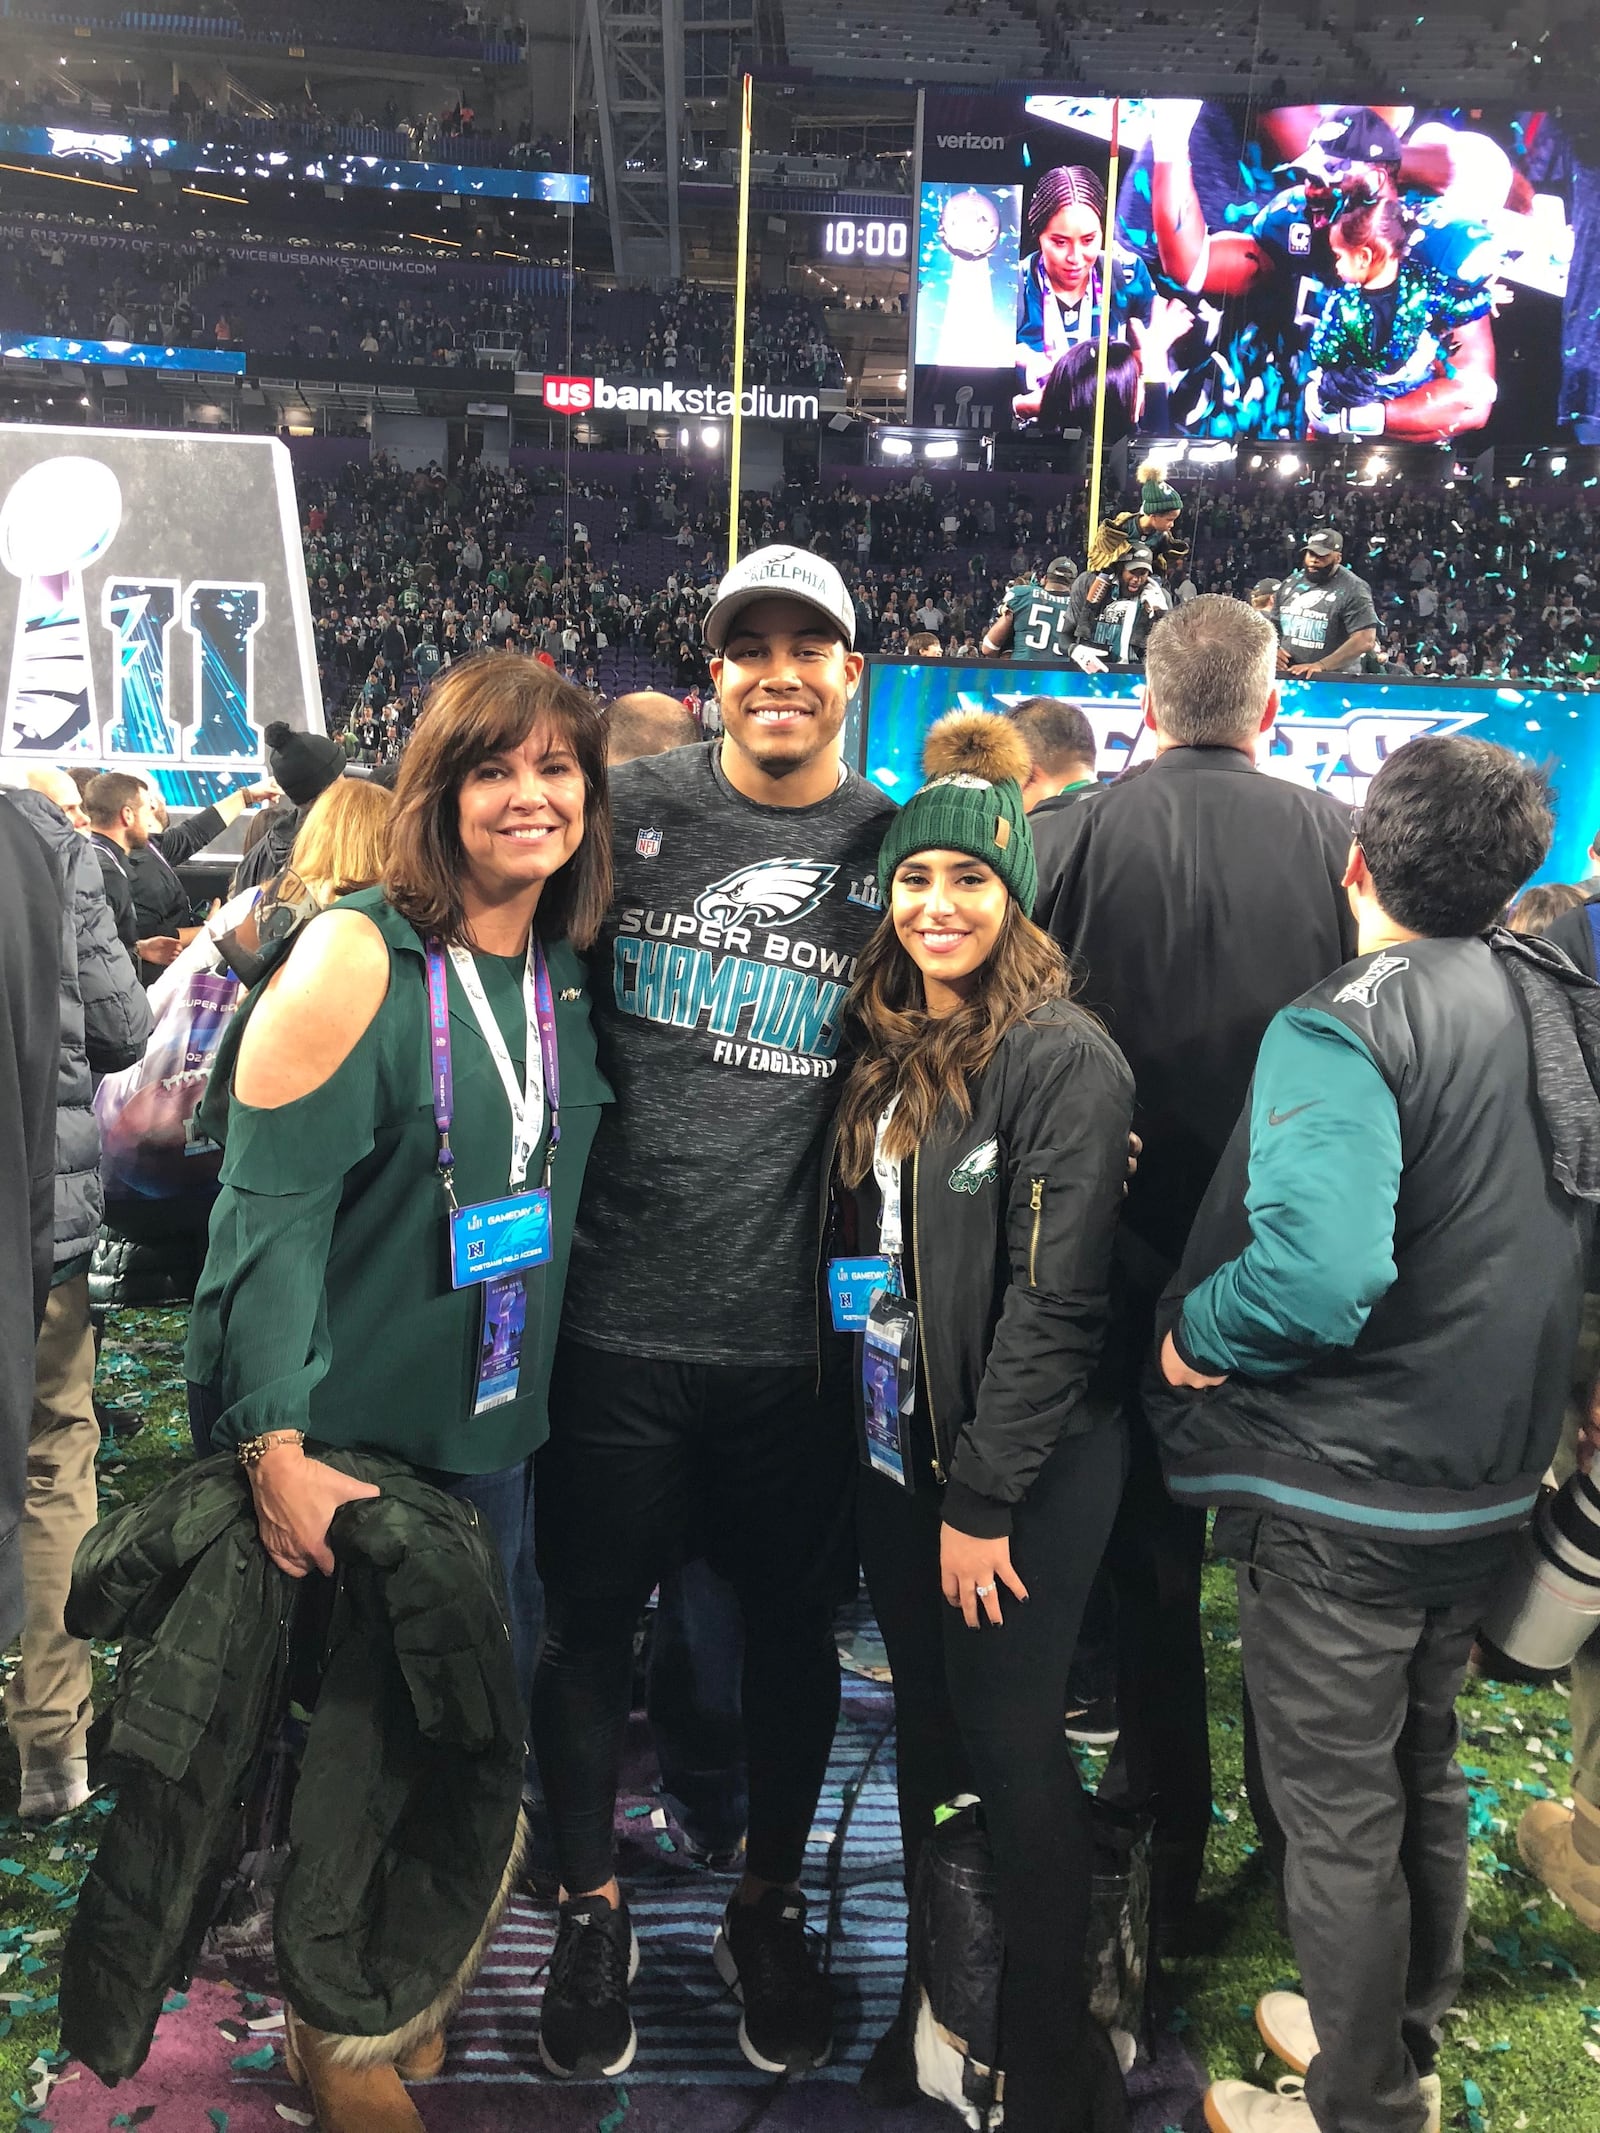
686,1411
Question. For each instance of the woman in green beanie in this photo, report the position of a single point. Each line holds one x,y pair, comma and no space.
976,1174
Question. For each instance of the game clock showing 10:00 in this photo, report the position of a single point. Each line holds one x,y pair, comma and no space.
864,241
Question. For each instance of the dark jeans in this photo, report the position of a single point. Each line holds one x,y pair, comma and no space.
1356,1729
981,1711
696,1719
649,1465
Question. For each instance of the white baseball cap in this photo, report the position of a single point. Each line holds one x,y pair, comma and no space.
781,573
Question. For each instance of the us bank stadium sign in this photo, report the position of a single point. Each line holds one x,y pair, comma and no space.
660,396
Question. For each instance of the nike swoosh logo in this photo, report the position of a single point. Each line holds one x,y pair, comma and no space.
1282,1118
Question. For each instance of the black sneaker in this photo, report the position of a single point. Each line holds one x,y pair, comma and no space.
762,1951
584,2026
1094,1725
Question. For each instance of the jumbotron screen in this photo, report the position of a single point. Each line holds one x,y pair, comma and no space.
1364,271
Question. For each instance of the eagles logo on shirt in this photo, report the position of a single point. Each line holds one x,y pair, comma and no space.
774,892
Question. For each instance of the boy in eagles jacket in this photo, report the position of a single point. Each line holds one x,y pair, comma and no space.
1363,1360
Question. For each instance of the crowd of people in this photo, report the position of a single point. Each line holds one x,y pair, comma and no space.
450,132
971,1205
409,571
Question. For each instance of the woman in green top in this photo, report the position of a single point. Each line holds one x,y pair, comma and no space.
327,1312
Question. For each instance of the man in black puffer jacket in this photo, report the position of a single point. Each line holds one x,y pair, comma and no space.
105,1024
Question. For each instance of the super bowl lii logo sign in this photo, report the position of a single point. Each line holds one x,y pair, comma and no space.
57,519
153,605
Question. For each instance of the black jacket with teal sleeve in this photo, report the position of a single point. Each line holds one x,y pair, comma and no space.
1384,1269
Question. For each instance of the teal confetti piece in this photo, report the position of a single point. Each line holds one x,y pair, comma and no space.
12,1866
664,1842
47,1883
219,2120
254,2062
632,1814
614,2117
174,2003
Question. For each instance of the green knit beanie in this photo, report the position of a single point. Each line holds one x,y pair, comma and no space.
1155,494
976,764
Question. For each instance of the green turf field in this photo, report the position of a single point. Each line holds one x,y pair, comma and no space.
1523,2051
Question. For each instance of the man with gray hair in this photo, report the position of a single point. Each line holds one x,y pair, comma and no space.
648,722
1195,901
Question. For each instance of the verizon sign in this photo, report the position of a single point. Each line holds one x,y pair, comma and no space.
602,396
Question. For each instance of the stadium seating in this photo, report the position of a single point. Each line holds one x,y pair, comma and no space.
905,40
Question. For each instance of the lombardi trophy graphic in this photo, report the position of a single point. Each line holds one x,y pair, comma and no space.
56,520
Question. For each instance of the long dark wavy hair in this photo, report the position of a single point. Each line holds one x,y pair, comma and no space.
932,1060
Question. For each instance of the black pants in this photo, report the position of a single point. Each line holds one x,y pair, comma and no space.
1162,1760
650,1464
1356,1725
982,1711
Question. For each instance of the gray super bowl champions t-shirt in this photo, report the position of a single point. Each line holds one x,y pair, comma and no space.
719,983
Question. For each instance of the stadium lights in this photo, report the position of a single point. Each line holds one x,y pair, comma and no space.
711,437
1288,464
895,447
1255,459
945,448
1558,462
683,440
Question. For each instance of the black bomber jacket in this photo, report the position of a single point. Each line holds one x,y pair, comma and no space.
1010,1221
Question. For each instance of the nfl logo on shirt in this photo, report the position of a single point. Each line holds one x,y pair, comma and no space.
648,843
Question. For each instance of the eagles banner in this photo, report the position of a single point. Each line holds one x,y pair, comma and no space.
153,606
1334,735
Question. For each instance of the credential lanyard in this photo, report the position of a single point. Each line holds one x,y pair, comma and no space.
891,1231
542,1074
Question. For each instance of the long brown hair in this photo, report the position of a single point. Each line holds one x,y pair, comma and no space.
479,708
928,1060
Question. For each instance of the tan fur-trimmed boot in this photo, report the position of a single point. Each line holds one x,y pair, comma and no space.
356,2082
346,2099
424,2061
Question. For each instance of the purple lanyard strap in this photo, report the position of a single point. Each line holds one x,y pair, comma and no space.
444,1079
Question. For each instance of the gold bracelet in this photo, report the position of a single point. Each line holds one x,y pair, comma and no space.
255,1449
